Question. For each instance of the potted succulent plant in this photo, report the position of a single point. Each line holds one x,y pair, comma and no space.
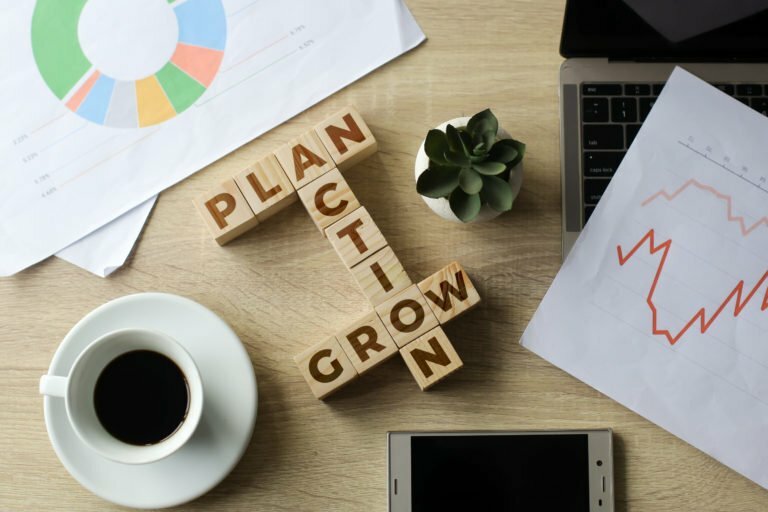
469,169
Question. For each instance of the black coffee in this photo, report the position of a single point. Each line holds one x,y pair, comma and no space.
141,397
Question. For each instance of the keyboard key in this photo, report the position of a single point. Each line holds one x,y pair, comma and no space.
744,101
588,213
603,136
624,110
645,107
602,163
749,90
637,89
657,89
601,89
761,105
726,88
632,130
595,110
594,189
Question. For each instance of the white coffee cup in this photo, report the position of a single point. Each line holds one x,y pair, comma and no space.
77,390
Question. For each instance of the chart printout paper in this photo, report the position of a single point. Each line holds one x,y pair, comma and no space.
661,304
99,118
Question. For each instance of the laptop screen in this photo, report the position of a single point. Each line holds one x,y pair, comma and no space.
630,29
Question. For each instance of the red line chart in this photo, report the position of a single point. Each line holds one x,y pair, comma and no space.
763,221
738,297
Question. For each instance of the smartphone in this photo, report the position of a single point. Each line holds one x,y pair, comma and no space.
563,470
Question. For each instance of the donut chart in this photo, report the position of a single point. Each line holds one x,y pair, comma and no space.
148,101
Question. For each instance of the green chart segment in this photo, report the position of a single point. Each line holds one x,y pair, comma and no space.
125,103
56,46
182,90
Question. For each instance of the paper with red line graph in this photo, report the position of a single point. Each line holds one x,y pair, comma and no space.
663,302
109,102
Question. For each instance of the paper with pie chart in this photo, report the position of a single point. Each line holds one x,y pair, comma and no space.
663,303
109,102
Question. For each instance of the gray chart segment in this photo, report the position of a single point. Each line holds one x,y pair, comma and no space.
122,110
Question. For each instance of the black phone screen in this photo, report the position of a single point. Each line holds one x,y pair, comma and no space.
500,473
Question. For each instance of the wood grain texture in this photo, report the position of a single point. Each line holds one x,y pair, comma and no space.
347,138
366,342
266,187
225,212
355,237
304,158
406,315
381,276
328,199
431,358
449,292
282,288
325,367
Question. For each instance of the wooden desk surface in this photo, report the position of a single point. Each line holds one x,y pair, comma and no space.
281,286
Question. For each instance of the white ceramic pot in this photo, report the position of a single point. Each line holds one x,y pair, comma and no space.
441,206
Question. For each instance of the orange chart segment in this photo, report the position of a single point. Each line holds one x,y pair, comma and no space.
74,102
198,62
153,104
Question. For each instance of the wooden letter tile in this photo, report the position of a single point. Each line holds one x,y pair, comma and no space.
431,358
225,212
406,316
266,187
347,138
304,159
325,367
355,237
328,199
367,342
381,276
449,292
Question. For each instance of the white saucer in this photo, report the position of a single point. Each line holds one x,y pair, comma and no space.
228,417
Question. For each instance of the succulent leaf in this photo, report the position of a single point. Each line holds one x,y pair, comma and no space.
497,193
503,153
465,206
466,141
457,159
469,181
512,143
437,182
436,146
482,123
455,144
489,167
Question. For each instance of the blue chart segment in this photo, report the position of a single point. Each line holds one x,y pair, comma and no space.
94,107
200,23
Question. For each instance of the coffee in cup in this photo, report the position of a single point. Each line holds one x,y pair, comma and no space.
135,396
152,408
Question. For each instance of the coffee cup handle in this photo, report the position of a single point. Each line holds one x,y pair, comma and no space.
53,385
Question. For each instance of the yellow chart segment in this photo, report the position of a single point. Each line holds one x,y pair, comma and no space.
153,105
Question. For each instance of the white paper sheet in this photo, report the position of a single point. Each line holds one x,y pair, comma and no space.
106,249
80,147
661,305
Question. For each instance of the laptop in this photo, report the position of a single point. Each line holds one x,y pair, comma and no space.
618,55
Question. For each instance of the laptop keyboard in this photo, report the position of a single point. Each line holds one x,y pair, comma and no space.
611,115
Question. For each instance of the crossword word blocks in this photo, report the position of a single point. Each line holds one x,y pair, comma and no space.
410,317
405,318
255,194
